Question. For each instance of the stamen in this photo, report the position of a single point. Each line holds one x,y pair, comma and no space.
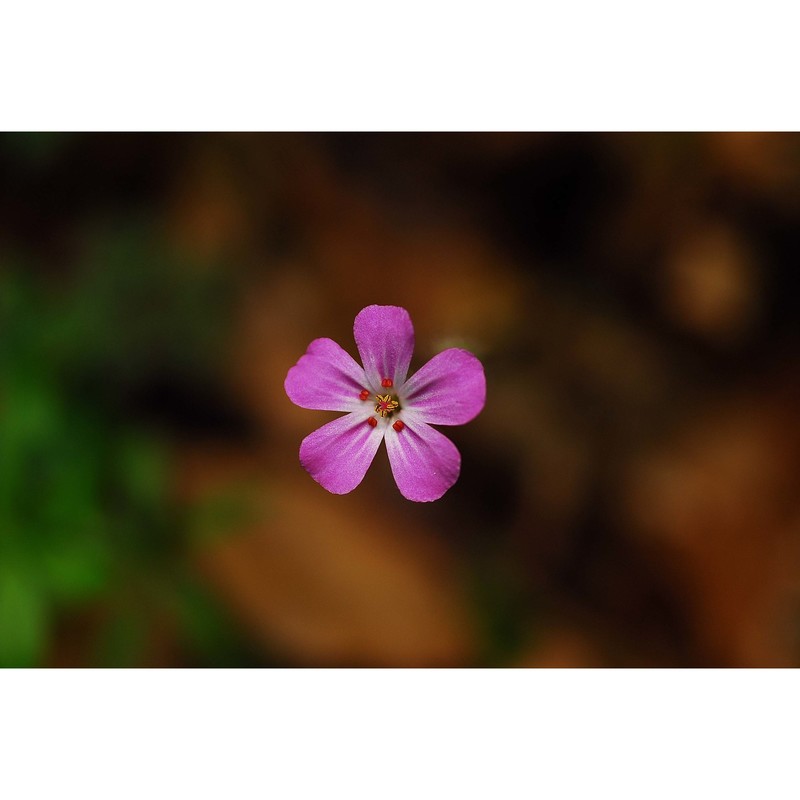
372,422
398,426
387,383
386,405
364,394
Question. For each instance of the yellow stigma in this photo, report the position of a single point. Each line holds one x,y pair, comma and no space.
386,405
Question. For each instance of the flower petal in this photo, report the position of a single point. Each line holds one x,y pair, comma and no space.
425,463
338,454
385,339
449,390
326,378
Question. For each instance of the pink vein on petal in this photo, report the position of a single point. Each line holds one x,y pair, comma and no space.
326,378
338,454
425,463
449,390
385,339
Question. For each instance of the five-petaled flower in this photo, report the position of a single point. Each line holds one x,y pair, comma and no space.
382,405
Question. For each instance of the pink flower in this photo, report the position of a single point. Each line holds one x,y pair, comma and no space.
382,405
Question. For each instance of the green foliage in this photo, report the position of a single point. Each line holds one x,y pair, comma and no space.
23,615
85,516
208,632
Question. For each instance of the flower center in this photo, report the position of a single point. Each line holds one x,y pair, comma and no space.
387,404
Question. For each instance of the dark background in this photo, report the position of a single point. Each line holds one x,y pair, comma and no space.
629,496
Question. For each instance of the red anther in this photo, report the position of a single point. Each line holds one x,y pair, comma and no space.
372,422
398,426
387,383
364,394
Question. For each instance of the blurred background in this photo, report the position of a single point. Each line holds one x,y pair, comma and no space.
630,496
